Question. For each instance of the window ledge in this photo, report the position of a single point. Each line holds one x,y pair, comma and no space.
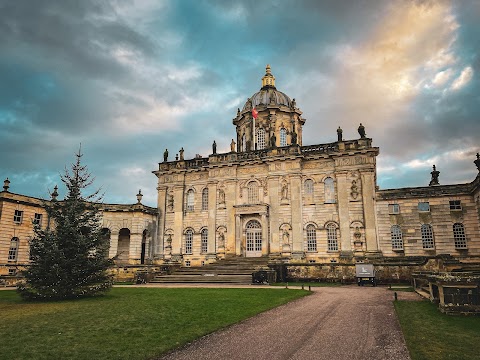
398,250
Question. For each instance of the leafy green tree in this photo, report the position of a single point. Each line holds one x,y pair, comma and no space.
69,259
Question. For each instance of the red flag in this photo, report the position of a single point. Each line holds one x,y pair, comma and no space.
254,113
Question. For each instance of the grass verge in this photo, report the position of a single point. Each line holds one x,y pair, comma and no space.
127,323
432,335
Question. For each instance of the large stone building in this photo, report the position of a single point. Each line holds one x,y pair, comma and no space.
273,196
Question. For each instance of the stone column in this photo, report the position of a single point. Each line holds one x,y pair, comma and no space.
178,222
296,208
343,214
113,243
212,215
368,195
135,248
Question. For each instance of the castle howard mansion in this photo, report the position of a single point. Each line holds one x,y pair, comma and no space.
272,196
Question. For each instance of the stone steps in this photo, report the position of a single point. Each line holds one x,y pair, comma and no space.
228,271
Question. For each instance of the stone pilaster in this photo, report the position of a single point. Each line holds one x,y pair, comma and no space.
230,197
368,195
297,223
158,245
343,214
212,215
178,207
273,191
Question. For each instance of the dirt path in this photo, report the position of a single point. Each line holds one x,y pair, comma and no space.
333,323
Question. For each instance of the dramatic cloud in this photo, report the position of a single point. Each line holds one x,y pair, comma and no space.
127,79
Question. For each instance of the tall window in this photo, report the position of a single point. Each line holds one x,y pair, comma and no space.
311,238
18,217
332,239
283,137
244,142
188,241
308,187
459,236
13,250
260,139
37,220
427,236
252,189
329,190
205,199
397,239
190,200
204,241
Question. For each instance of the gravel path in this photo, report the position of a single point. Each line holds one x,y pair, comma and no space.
348,322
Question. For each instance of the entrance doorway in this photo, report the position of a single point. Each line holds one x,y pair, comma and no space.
253,231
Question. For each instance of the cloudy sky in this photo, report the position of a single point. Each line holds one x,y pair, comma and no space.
127,79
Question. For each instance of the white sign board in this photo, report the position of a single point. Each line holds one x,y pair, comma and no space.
364,270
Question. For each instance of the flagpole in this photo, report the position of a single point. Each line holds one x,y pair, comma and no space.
253,130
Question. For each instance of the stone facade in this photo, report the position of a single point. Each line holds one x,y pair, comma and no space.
273,196
131,229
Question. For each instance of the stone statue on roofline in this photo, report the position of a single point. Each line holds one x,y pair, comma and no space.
361,131
214,147
339,134
435,173
165,155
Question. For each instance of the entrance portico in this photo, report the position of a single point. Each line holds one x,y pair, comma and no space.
251,230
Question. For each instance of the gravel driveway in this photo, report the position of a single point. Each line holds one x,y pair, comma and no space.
347,322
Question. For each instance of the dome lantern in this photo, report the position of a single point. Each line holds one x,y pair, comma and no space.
268,80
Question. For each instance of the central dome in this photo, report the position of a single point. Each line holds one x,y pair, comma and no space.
268,94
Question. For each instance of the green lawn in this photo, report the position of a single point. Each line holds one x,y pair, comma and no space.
432,335
306,284
128,323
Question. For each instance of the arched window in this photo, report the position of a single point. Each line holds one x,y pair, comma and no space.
188,241
308,185
311,238
260,139
329,190
13,251
252,189
190,200
244,142
204,241
397,239
459,236
332,239
427,236
205,199
283,137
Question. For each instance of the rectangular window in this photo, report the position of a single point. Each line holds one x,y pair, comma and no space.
424,206
455,205
187,263
394,209
18,217
37,220
12,272
13,250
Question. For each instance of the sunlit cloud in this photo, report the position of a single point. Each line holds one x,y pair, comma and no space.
465,76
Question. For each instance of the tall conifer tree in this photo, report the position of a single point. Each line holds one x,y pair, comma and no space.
69,259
